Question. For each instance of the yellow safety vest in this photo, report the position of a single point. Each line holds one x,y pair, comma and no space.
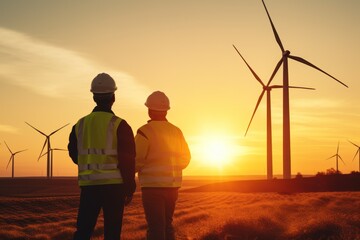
161,155
97,149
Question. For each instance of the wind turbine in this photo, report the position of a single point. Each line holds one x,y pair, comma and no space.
52,158
337,156
12,159
47,141
266,88
286,111
357,152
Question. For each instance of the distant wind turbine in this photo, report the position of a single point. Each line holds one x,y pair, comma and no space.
337,156
47,141
12,160
286,111
52,158
357,152
266,88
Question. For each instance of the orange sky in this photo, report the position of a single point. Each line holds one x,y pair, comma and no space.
50,51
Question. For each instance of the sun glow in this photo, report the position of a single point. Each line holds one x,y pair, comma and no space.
217,151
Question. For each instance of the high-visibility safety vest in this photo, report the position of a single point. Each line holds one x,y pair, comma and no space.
161,155
97,149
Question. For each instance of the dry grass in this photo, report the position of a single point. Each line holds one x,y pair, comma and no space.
200,215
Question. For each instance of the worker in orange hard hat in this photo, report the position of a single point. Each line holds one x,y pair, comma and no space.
103,147
161,155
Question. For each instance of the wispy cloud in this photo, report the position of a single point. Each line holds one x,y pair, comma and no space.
54,71
8,129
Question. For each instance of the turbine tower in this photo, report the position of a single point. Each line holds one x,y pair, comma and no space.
337,156
47,142
286,111
267,88
12,160
357,152
52,158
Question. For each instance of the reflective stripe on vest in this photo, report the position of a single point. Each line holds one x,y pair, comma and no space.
97,149
163,172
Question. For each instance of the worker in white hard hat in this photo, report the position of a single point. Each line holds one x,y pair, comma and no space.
161,155
103,147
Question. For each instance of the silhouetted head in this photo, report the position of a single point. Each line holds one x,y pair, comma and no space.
158,104
103,87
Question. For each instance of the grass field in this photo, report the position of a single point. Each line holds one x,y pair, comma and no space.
199,215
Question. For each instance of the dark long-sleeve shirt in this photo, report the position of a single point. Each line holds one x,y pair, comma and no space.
125,149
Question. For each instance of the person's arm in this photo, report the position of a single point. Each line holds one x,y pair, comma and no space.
142,145
184,155
126,156
72,146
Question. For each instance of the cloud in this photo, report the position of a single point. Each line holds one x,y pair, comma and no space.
56,72
7,128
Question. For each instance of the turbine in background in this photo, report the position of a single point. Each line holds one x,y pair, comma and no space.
47,142
357,152
52,158
267,88
12,159
337,156
286,111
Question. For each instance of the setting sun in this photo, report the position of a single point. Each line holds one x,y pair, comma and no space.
216,151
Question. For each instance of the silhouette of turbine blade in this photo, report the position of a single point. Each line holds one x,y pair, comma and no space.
20,151
58,129
341,159
357,152
252,71
299,59
331,157
306,88
9,161
42,149
59,149
274,29
278,65
256,107
354,144
8,148
36,129
337,151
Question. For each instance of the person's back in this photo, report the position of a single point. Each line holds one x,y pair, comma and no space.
161,155
102,145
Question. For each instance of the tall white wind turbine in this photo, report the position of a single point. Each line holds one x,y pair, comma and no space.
47,142
266,88
286,111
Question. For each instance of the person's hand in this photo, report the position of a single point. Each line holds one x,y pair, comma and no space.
128,200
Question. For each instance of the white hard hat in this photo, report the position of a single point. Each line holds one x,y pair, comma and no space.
103,83
158,101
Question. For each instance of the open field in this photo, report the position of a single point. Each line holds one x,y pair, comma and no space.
200,214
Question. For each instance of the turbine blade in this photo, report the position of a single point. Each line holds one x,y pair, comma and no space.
36,129
331,157
9,161
42,149
58,129
341,159
354,144
274,29
256,107
275,71
299,59
252,71
357,152
306,88
59,149
8,147
337,152
19,151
